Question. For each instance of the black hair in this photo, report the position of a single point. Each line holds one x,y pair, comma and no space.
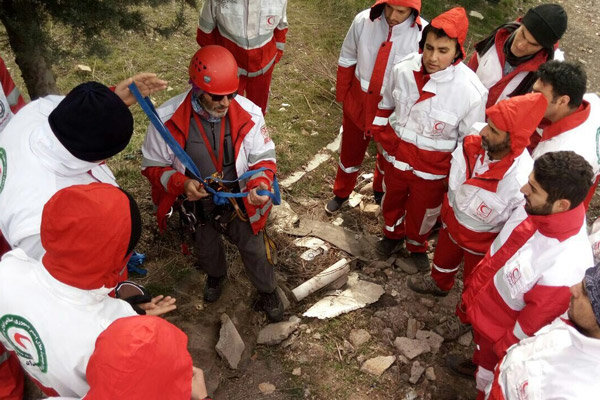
136,223
566,79
564,175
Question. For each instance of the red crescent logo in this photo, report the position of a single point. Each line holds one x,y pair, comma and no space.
19,339
270,20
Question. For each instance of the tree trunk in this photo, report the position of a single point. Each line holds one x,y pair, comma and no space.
23,21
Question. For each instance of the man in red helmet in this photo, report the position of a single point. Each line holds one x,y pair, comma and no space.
225,135
378,38
254,32
419,123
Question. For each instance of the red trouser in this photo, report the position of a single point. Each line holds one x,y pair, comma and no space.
352,153
410,207
257,88
447,258
11,376
486,359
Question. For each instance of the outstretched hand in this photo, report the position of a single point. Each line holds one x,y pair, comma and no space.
159,305
146,82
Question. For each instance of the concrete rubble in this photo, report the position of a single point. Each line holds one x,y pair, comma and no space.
358,295
411,348
359,337
230,345
416,370
377,365
433,339
273,334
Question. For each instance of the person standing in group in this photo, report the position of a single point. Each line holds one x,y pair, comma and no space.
485,179
507,59
225,136
419,123
254,32
378,38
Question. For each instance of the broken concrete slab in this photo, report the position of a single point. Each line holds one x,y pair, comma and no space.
358,295
273,334
368,188
358,337
358,244
433,339
371,209
411,348
377,365
416,370
290,180
430,374
230,345
282,217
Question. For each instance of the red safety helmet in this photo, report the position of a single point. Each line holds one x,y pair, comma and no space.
214,70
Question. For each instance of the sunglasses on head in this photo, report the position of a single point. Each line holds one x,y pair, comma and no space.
219,97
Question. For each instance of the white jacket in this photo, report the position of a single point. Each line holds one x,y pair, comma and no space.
51,326
583,139
476,209
434,126
34,166
363,42
557,363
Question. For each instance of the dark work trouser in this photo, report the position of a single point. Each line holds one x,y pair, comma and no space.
211,254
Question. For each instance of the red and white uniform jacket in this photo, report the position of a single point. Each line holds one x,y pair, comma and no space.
482,194
253,30
52,327
578,132
557,363
427,117
11,100
253,149
523,281
490,67
369,51
33,166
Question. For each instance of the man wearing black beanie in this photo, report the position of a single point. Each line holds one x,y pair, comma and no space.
506,61
55,142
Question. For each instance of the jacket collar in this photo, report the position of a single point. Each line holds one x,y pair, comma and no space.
560,226
567,123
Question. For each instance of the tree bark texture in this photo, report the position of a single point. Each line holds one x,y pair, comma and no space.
24,21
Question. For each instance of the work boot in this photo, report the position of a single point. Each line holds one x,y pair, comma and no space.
426,285
386,246
213,288
461,366
452,328
335,204
378,197
421,261
272,306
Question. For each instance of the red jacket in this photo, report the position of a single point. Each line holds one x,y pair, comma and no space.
522,284
244,131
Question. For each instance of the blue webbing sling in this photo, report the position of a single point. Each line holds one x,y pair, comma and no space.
219,197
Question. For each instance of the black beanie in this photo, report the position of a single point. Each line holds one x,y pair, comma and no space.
547,23
92,122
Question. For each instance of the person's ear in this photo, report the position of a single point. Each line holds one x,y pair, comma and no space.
561,205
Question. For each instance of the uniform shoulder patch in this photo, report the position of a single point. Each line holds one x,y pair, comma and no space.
24,340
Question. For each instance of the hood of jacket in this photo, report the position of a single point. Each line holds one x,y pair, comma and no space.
86,231
379,5
456,25
138,358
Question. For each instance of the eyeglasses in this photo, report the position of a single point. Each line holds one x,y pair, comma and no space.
219,97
